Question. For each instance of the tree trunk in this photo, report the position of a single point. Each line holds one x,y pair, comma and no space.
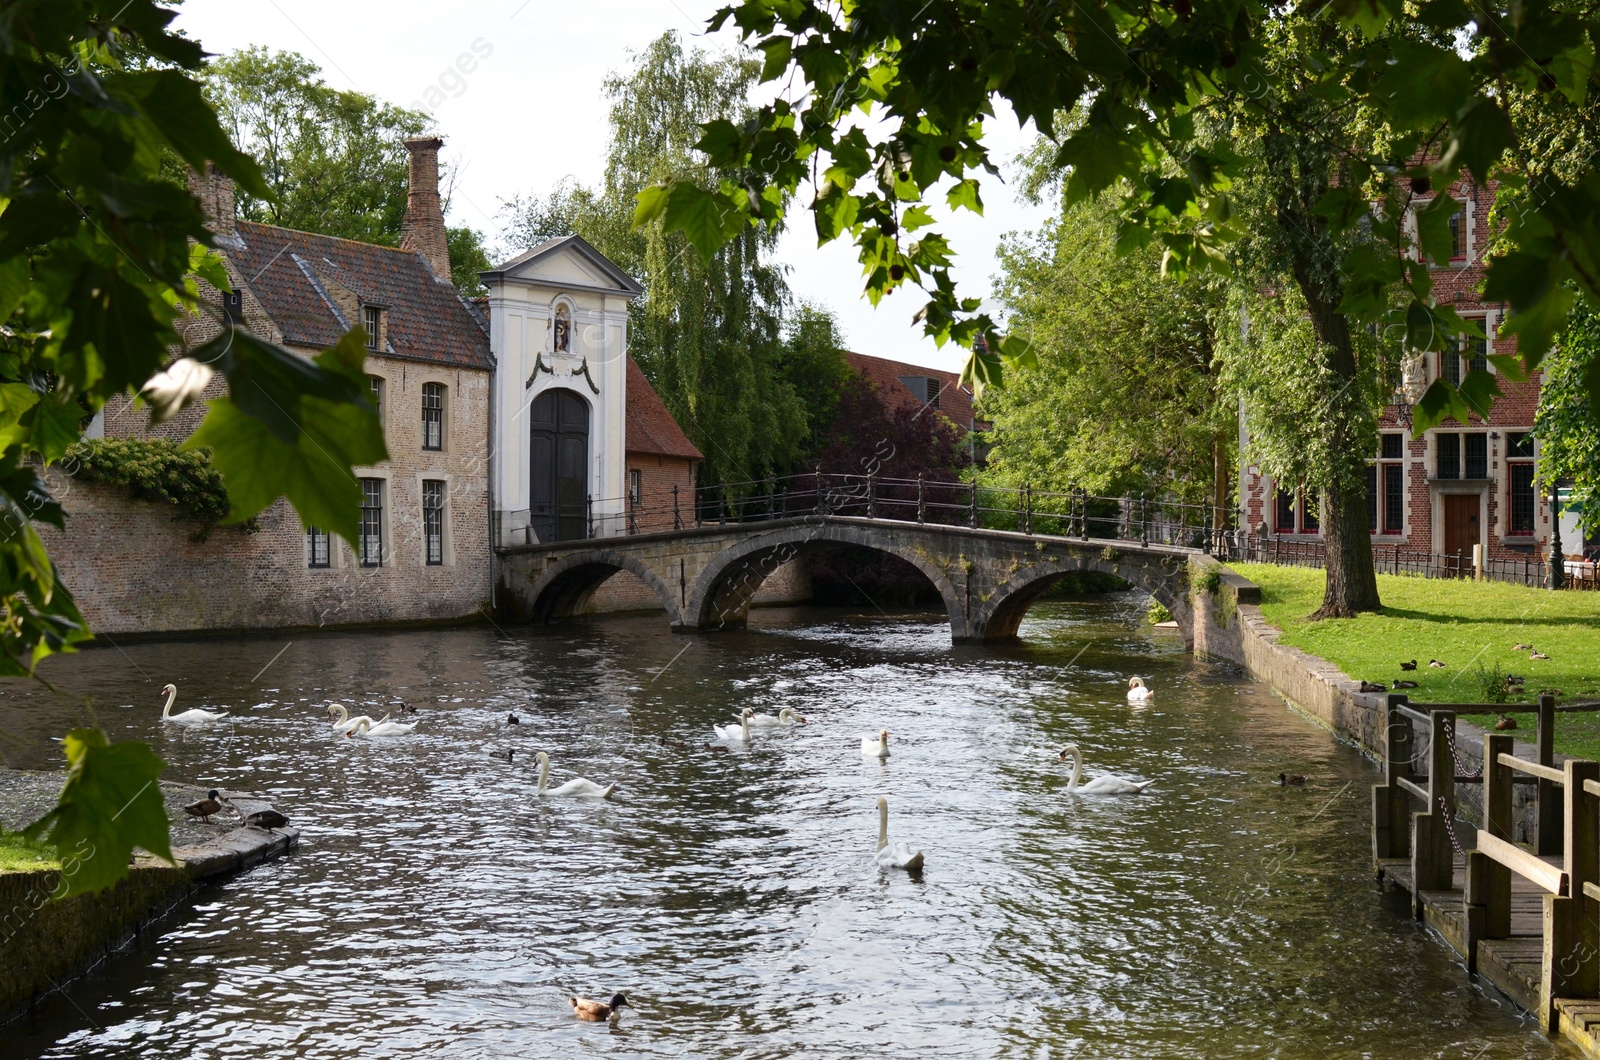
1352,583
1221,471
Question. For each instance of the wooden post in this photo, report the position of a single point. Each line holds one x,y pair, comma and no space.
1548,838
1571,965
1432,856
1391,835
1475,904
1497,822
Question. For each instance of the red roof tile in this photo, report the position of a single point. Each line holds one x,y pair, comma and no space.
650,427
427,320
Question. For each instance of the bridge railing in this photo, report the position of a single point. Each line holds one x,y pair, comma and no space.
1073,514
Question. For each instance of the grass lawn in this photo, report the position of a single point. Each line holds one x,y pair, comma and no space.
1466,625
20,855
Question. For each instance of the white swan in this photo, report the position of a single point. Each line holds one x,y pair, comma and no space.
739,733
1137,692
365,727
342,721
1106,785
785,718
898,856
581,788
188,717
876,746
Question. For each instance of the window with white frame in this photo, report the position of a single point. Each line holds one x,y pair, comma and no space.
433,415
1386,513
433,520
1520,497
372,321
376,383
319,548
371,522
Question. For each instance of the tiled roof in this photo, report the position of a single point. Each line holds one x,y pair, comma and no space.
650,427
427,320
954,402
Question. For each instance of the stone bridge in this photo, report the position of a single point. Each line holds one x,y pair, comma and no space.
706,577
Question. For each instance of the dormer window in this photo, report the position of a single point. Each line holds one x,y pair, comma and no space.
372,320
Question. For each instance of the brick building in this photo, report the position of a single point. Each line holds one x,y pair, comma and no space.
903,385
428,518
1460,484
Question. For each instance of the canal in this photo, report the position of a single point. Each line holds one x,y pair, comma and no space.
437,906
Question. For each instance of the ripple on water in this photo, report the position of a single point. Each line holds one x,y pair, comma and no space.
437,904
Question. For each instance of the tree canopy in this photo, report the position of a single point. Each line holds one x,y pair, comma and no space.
1567,426
333,162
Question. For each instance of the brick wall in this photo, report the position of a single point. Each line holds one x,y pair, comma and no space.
658,475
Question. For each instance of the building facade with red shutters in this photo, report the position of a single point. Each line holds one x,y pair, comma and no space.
1458,485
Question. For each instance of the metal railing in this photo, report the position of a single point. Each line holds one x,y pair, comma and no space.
1246,547
1071,514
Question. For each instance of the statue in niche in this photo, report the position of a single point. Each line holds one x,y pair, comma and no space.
563,330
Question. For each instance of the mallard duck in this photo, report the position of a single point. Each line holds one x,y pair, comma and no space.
268,819
595,1011
187,717
205,807
512,719
1538,655
1505,723
1285,780
1436,664
876,746
1405,684
1412,665
1137,692
1374,686
1522,647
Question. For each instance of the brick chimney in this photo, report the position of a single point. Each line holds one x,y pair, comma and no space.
215,192
423,230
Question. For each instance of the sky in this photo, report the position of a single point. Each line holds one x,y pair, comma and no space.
530,111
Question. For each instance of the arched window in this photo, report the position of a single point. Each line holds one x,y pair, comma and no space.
433,415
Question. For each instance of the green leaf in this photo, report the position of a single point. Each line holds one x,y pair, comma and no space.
174,105
1424,85
110,804
14,280
983,369
651,203
1439,403
834,211
52,426
1480,134
777,50
1343,207
1478,390
707,219
1018,353
721,143
965,195
15,399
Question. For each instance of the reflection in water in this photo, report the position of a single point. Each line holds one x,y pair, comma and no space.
436,903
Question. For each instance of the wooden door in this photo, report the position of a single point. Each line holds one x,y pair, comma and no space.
1461,530
559,466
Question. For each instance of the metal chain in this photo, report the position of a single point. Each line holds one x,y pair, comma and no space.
1450,826
1455,755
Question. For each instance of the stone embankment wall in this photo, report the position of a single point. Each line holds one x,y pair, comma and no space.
133,568
44,943
1228,625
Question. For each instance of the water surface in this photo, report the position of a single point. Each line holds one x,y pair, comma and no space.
437,907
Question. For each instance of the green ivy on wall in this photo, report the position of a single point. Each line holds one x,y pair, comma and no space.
155,470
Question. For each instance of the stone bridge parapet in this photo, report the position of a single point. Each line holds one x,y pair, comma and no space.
706,577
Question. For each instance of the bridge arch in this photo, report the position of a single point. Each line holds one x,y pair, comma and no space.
1002,612
722,593
561,589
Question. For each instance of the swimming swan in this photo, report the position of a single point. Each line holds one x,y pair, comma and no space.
1106,785
188,717
1137,692
876,746
738,733
365,727
898,856
580,788
342,721
785,718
